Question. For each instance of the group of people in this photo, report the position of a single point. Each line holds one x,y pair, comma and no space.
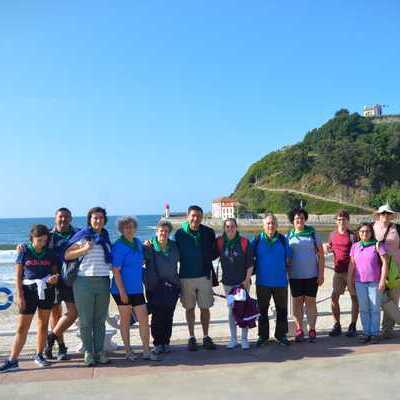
151,276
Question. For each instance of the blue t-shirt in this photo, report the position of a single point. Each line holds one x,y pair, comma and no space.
58,243
304,257
270,262
34,267
130,263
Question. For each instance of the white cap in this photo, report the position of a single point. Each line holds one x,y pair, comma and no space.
385,209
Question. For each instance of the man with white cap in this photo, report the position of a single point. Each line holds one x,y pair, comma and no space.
389,233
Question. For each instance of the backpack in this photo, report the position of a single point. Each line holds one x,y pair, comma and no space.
393,276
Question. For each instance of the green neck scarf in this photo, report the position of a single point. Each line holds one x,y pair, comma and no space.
194,234
230,243
268,240
368,243
132,245
157,247
64,235
308,231
37,254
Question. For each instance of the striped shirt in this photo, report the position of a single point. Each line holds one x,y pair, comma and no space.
93,263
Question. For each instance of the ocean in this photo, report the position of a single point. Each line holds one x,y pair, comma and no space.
16,230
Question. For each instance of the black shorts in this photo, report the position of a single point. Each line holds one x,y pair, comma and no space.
304,287
133,300
32,301
64,293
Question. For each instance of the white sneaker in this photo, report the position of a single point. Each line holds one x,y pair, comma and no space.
232,344
245,344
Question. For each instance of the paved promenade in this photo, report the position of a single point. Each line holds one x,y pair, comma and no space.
329,369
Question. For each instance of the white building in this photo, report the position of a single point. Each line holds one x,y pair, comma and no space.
372,111
224,207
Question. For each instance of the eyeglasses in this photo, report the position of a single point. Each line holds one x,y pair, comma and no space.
364,231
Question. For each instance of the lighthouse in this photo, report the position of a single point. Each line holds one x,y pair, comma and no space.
166,210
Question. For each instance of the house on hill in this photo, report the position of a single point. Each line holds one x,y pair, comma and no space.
224,207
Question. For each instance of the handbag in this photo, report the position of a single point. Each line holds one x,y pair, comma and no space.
69,271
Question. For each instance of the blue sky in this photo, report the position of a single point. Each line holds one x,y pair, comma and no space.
129,104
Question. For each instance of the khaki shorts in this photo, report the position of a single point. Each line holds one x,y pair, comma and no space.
339,283
196,290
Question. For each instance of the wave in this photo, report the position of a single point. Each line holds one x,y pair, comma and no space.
8,256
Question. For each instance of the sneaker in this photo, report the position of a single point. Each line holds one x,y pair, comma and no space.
299,335
283,341
208,343
158,349
62,352
365,339
312,336
261,342
9,366
352,331
102,358
48,351
166,348
192,344
150,355
41,361
374,339
245,344
388,334
336,330
89,360
131,356
232,344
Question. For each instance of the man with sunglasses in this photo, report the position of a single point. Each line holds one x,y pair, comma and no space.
339,243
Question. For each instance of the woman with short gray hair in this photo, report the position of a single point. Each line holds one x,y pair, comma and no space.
127,285
162,284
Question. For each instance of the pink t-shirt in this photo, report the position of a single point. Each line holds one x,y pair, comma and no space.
392,242
367,263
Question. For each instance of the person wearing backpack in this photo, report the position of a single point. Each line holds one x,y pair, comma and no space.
237,267
367,274
339,243
306,272
272,255
388,233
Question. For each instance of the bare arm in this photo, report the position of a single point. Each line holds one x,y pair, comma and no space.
20,292
384,271
321,265
76,250
120,285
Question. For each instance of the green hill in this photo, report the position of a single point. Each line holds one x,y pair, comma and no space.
350,161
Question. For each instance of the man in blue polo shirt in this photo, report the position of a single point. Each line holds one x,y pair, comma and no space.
272,255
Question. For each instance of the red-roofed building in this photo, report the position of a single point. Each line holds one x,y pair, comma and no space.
224,207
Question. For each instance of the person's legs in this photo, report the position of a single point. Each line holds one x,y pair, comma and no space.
354,309
363,302
168,321
102,301
42,326
188,300
375,299
55,315
231,321
205,320
263,300
335,307
144,331
85,300
298,311
125,312
24,323
66,320
190,320
205,300
311,311
158,325
280,296
388,323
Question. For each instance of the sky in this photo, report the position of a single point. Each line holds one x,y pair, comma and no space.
132,104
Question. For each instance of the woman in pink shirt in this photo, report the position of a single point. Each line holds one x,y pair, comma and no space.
367,272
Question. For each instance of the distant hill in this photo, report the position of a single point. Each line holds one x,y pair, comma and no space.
349,162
